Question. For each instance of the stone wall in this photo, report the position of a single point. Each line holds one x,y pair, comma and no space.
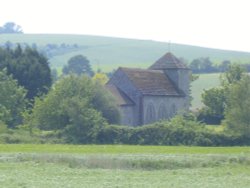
128,115
121,81
161,107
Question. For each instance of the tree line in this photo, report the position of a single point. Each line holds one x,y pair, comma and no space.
205,65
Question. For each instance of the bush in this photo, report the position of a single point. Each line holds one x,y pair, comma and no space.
178,131
114,134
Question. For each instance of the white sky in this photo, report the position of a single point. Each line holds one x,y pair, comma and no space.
221,24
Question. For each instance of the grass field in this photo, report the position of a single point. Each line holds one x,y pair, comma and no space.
205,81
123,166
109,53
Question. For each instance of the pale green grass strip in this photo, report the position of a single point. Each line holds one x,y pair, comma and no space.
119,149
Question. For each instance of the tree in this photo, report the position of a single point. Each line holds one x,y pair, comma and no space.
101,78
12,100
206,65
237,116
215,99
10,27
195,65
233,74
78,65
201,65
29,67
76,106
223,67
104,102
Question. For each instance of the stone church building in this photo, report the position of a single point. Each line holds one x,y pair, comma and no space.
148,95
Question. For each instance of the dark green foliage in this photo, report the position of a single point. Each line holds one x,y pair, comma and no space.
54,75
53,111
84,122
75,107
29,68
115,134
237,116
12,100
232,75
179,131
78,65
223,67
202,65
215,99
204,115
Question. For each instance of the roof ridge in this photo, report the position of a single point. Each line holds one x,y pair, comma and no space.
139,69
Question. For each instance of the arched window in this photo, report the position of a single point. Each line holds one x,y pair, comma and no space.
150,114
173,110
162,112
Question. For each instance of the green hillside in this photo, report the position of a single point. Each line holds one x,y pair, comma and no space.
109,53
205,81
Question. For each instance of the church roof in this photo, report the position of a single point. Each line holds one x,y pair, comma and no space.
168,61
151,82
121,98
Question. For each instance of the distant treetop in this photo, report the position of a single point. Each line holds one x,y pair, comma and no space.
10,27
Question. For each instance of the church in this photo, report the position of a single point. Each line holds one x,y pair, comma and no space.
148,95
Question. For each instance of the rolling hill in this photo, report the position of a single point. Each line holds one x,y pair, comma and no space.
108,53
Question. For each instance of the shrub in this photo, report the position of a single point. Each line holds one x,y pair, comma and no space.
178,131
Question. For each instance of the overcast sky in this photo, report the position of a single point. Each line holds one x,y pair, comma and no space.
223,24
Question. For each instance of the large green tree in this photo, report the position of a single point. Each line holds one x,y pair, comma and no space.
78,64
233,74
29,67
237,116
12,100
215,99
76,106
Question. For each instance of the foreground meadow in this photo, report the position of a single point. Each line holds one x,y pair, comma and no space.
123,166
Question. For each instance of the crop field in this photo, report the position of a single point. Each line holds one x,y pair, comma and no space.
123,166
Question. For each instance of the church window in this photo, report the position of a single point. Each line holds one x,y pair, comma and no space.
150,114
173,110
162,112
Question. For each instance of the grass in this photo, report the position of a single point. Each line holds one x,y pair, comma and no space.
48,175
123,166
109,53
205,81
118,149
